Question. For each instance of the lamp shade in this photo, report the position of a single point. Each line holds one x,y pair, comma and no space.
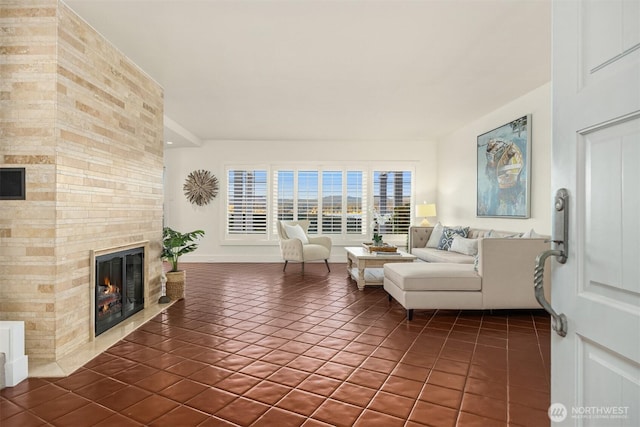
426,210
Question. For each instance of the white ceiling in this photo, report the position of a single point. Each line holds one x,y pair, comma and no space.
329,69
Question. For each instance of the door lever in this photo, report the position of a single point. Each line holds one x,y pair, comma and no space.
560,237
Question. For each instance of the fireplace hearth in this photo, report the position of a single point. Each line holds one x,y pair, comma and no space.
119,287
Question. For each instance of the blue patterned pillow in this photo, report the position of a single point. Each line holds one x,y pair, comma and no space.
447,236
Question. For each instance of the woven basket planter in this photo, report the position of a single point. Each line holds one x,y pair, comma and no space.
175,284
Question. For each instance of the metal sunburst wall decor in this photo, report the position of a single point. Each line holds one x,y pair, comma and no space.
200,187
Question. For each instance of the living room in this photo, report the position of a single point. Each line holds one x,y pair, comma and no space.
93,90
78,177
68,182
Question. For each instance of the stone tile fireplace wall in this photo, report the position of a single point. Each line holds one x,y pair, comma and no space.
86,123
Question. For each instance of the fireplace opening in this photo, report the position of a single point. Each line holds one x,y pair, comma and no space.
119,287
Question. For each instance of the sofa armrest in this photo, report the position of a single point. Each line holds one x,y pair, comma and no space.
506,267
418,236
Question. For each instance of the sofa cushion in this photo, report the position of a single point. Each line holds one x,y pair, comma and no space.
493,234
464,246
419,276
447,236
531,234
295,232
436,255
314,251
436,235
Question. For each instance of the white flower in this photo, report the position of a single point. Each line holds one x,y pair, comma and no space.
379,219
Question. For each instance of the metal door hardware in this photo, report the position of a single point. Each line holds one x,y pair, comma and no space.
560,241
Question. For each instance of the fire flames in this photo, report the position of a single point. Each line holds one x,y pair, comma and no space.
108,301
110,288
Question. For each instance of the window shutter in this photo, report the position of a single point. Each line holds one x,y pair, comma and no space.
308,199
331,202
355,202
335,200
392,195
247,202
284,195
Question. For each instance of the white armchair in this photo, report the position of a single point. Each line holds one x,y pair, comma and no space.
297,245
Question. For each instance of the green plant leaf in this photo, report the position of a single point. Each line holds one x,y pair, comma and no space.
176,244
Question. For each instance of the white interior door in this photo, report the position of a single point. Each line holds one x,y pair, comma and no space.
595,369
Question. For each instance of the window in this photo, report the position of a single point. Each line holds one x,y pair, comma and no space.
337,201
247,202
331,202
285,196
322,198
355,202
308,202
392,195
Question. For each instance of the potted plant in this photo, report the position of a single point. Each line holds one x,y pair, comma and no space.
174,245
378,221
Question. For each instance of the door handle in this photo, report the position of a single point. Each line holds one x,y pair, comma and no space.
559,320
560,238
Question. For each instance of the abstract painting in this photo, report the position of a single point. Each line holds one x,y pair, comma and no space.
504,170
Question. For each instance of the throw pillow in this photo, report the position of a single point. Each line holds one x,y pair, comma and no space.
464,246
493,234
531,234
447,236
296,232
476,261
436,235
489,234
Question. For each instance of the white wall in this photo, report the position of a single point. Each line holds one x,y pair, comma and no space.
445,174
215,155
456,201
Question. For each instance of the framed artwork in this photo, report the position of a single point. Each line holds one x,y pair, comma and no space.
504,171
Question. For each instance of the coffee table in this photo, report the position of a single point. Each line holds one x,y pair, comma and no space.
366,268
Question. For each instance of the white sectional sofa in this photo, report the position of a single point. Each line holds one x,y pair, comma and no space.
502,278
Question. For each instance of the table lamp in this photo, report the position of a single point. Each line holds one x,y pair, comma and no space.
424,210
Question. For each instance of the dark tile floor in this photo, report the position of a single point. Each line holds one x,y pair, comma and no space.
253,346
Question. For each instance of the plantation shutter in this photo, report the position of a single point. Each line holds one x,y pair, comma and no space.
247,202
356,202
308,199
331,202
392,195
284,193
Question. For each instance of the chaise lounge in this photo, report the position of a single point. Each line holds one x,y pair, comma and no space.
503,278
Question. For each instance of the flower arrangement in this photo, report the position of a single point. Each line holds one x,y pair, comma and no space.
379,220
